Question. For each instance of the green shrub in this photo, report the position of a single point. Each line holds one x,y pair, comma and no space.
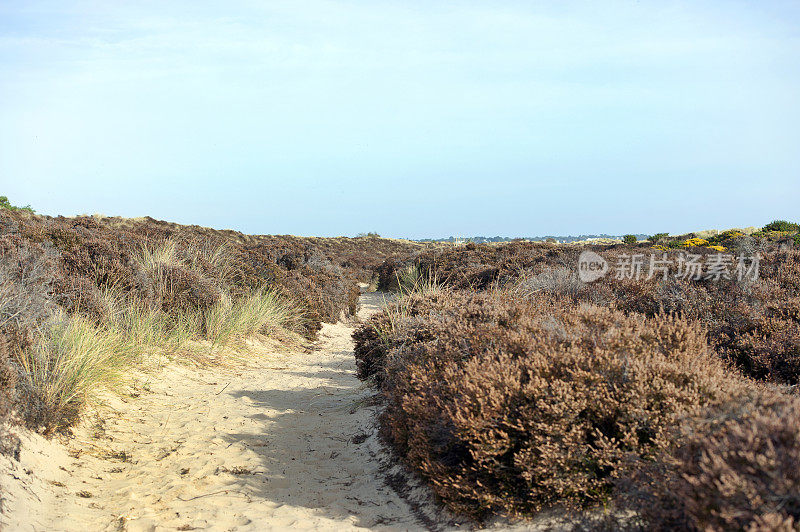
781,225
5,204
658,237
629,239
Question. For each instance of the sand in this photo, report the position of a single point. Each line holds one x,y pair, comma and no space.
285,441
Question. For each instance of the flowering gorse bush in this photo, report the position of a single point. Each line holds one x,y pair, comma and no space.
694,243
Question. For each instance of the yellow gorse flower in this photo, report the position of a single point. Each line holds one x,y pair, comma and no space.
694,243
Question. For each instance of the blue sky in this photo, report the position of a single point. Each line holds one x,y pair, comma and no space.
410,118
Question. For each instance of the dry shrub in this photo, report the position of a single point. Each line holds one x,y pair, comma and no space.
734,469
387,274
180,267
559,282
752,324
25,303
26,279
186,289
480,266
132,285
510,405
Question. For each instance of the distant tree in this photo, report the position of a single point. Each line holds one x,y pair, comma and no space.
5,204
629,239
657,237
781,225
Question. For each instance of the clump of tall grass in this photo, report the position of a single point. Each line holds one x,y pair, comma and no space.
153,257
261,312
148,327
208,255
412,280
70,358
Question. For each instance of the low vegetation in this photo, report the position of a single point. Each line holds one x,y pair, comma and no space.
666,399
732,468
5,204
782,225
85,299
751,323
658,398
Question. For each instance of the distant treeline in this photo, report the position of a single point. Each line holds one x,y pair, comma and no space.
483,239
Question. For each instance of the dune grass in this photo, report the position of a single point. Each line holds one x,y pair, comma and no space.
261,312
70,359
74,358
411,281
151,328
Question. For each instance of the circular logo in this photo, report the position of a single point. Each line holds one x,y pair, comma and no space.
591,266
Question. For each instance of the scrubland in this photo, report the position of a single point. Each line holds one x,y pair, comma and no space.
507,385
664,403
82,299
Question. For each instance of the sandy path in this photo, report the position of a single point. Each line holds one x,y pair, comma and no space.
287,442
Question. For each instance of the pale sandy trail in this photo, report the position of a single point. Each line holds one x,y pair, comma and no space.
286,442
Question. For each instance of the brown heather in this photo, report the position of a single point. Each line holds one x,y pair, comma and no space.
508,405
526,388
735,468
755,325
107,272
516,388
91,253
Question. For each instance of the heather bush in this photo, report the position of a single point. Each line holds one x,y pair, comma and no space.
387,275
26,279
25,303
188,267
511,405
559,281
735,468
526,394
482,266
750,323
